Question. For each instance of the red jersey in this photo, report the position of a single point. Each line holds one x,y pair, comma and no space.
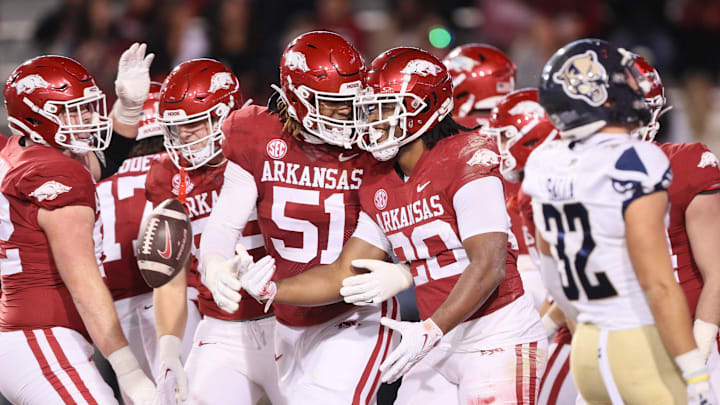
202,187
419,219
33,177
695,170
122,208
511,189
307,199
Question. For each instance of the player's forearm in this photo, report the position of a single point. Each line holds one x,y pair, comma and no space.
170,306
708,307
669,308
472,289
315,287
97,310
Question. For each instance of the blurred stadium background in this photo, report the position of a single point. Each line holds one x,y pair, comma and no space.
679,37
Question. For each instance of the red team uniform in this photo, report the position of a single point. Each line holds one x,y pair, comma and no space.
307,209
695,170
420,225
41,333
209,360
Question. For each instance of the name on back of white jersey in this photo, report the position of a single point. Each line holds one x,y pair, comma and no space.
561,188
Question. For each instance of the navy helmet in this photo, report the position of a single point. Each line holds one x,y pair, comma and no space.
589,84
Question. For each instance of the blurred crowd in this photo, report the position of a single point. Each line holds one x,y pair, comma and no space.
676,36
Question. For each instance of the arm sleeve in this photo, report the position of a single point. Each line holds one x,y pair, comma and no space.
69,184
112,158
640,170
230,214
480,207
371,233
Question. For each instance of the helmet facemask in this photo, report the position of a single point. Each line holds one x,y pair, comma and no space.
83,123
202,150
382,122
333,131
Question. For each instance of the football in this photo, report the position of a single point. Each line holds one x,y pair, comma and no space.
164,243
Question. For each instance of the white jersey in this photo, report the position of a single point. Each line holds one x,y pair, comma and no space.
580,191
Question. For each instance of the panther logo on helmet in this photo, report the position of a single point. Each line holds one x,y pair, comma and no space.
296,61
584,78
461,63
421,67
220,81
28,84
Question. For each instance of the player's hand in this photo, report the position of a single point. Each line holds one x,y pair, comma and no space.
171,374
221,277
417,339
256,280
383,281
694,371
705,334
132,84
131,379
698,389
166,393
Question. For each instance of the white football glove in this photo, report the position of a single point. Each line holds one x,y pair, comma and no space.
383,281
692,365
131,379
417,339
256,280
705,334
132,84
221,277
171,374
166,393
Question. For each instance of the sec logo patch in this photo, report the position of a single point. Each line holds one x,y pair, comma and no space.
276,148
380,199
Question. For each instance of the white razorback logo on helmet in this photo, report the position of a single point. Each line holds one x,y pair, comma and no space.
461,63
221,81
296,61
28,84
708,159
421,67
584,78
49,190
484,157
527,107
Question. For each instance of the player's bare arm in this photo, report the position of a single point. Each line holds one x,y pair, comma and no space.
326,280
68,230
485,272
648,249
169,304
702,223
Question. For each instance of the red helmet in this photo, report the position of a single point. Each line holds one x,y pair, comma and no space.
409,89
321,67
55,101
149,125
519,125
654,92
197,91
481,75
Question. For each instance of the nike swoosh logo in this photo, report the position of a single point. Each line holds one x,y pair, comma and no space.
343,158
421,187
148,306
426,338
168,248
202,343
278,357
